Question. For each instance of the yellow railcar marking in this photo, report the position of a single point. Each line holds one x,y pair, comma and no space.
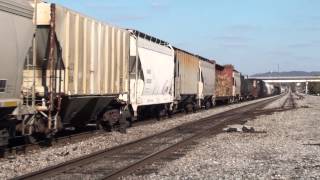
10,104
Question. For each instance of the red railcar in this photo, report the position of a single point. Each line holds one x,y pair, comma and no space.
224,82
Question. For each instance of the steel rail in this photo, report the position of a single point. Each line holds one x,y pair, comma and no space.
161,153
25,148
219,119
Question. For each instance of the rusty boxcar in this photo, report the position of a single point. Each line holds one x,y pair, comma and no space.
207,82
255,88
236,94
224,82
250,89
186,80
194,83
245,93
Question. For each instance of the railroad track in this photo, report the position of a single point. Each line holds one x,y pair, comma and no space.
57,141
74,137
299,96
124,159
289,103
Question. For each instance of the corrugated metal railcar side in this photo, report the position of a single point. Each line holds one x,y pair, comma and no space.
244,87
208,72
224,82
207,83
95,54
257,88
95,59
152,76
187,73
236,84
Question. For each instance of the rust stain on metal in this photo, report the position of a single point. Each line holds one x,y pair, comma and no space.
188,70
224,80
52,84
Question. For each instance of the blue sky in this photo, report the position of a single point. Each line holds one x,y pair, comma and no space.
254,35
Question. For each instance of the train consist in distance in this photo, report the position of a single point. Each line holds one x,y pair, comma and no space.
80,71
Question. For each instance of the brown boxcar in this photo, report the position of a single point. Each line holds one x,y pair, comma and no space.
255,88
236,94
245,93
224,82
186,79
251,88
194,83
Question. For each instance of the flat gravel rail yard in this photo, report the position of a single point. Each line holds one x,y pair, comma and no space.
42,158
122,160
289,148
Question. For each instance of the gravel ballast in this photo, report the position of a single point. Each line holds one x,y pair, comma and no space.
288,150
37,160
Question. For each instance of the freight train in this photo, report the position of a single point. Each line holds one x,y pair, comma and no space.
256,88
85,71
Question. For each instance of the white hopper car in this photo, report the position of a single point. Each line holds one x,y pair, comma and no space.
16,34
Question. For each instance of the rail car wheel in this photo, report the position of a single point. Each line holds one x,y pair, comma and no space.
169,110
109,119
35,137
207,105
130,122
37,131
189,108
59,124
39,126
33,128
162,112
127,116
4,141
4,138
170,113
31,139
214,103
102,125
